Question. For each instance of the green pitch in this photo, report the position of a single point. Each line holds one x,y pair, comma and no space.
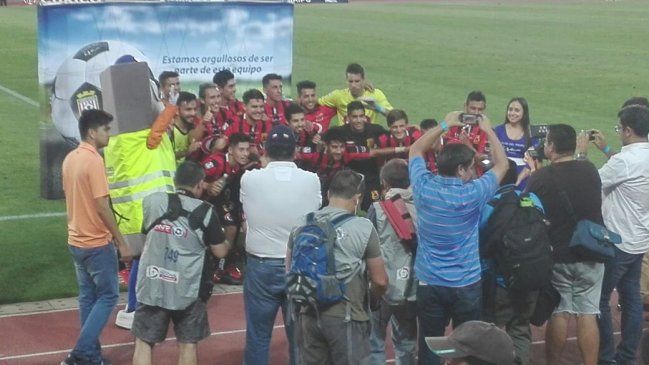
574,61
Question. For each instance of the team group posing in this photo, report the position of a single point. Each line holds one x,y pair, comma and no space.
433,246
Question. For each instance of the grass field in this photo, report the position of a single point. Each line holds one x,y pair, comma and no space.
574,61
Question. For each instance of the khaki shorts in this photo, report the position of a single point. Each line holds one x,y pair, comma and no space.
580,286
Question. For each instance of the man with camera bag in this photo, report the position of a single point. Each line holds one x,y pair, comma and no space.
563,186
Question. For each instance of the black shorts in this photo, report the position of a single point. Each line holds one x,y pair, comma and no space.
150,323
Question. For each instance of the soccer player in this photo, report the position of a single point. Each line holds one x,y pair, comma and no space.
401,135
253,123
223,174
169,85
307,141
357,90
470,134
233,108
431,155
317,116
275,104
333,159
361,136
181,138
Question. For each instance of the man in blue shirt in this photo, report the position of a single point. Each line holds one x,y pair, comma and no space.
448,212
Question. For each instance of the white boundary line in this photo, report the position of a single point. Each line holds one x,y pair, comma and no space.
21,97
76,308
30,216
122,344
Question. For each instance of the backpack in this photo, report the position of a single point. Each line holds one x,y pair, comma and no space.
516,238
398,248
311,279
399,217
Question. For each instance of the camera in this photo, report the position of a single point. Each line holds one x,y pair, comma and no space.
469,118
591,134
537,152
539,131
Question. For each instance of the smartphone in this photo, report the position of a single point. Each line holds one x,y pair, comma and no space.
591,134
468,118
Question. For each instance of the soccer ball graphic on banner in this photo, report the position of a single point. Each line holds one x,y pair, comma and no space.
77,86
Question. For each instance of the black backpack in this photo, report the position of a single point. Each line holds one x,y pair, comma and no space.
516,238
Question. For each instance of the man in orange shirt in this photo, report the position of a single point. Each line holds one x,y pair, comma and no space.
92,236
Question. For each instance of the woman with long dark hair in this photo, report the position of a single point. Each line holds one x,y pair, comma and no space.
514,134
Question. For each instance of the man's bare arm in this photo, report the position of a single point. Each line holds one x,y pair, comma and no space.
102,207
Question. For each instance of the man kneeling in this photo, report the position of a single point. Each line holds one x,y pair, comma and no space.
174,280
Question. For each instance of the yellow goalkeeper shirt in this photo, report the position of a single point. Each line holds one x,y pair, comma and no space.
340,98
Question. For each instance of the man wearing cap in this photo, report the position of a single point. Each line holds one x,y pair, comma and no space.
474,343
273,199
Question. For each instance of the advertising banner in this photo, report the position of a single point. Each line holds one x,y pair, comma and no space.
196,39
319,1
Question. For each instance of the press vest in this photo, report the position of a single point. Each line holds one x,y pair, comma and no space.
398,262
174,258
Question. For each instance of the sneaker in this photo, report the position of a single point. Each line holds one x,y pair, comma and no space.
232,276
217,276
122,277
124,320
69,360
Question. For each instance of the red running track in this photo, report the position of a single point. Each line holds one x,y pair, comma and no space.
46,338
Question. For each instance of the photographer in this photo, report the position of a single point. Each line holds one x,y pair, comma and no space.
568,181
625,188
447,263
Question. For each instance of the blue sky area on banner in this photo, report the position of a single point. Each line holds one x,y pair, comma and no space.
197,39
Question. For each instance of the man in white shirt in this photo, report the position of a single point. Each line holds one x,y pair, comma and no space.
273,198
625,207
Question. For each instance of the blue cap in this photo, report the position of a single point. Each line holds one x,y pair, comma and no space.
281,135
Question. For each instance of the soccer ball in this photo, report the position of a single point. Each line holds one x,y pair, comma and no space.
77,86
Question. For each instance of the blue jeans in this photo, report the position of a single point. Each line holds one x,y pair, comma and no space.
131,306
264,292
621,272
96,270
436,305
403,320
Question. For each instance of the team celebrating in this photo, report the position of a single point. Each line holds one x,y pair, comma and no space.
351,228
